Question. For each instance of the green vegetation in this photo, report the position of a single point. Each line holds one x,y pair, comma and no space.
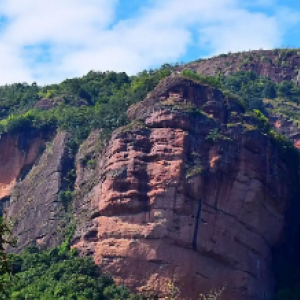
256,92
215,135
194,171
261,93
18,97
5,269
59,273
56,274
188,108
97,100
209,80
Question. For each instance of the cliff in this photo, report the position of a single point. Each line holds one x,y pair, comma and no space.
278,65
190,191
35,209
195,190
17,154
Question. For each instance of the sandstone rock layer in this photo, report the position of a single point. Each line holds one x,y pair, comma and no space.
17,154
190,192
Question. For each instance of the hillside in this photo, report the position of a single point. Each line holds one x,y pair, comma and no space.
278,64
177,180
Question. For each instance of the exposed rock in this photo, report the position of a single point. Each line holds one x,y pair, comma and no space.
35,208
188,190
17,154
287,128
49,103
86,158
278,65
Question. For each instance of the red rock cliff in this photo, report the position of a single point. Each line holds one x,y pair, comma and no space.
190,190
17,152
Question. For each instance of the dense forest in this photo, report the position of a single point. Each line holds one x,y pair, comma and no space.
97,100
58,273
100,100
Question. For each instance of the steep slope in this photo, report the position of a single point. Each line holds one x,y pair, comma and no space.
195,189
278,64
191,190
36,210
277,96
17,153
37,185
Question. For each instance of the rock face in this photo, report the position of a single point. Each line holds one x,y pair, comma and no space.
49,103
278,65
287,128
190,191
46,103
35,209
86,160
17,154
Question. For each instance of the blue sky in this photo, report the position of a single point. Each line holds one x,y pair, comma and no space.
48,42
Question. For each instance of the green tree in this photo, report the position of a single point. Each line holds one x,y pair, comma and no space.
5,269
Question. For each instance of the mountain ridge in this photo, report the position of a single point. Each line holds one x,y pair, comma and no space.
130,184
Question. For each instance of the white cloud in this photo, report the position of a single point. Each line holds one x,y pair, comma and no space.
239,31
81,35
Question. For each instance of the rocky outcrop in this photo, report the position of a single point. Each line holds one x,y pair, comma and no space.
50,103
36,210
18,152
86,159
288,128
190,191
278,64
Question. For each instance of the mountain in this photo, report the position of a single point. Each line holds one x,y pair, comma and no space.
178,180
278,64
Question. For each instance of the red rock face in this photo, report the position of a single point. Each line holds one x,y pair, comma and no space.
182,196
17,152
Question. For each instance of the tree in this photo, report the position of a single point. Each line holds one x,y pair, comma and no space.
285,89
5,269
269,90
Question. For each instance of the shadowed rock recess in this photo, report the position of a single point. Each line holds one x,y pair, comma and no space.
189,191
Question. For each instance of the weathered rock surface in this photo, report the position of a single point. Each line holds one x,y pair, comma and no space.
86,159
287,128
190,191
17,154
49,103
35,209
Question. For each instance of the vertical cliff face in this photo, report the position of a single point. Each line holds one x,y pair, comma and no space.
36,210
17,154
191,190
